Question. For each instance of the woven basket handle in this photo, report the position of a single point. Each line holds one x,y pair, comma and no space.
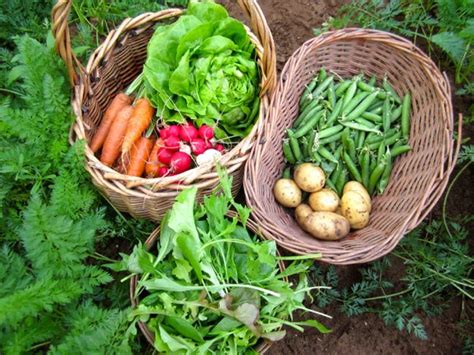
251,9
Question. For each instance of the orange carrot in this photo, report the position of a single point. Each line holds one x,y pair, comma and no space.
139,122
117,104
111,147
139,155
153,164
122,163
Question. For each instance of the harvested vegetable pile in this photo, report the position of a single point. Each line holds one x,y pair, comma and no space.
203,67
213,286
352,129
346,129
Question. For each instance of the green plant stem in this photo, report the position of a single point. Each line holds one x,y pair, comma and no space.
387,296
11,92
445,201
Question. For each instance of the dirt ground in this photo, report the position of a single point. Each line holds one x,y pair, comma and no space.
292,23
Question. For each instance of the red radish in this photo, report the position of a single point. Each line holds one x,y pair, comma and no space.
206,132
208,144
198,146
219,147
164,132
162,171
164,156
188,132
180,162
174,130
172,143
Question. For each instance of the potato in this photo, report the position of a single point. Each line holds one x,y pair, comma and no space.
355,209
338,210
357,186
287,193
301,212
324,200
309,177
327,225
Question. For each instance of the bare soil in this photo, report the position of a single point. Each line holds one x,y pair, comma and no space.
292,23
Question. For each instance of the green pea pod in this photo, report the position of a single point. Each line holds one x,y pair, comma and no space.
338,152
353,103
335,113
391,91
365,122
386,115
388,140
377,108
331,139
377,138
295,147
310,110
322,75
373,80
303,142
317,158
287,173
310,137
406,106
329,131
323,86
363,106
365,87
352,167
310,124
380,153
372,117
396,114
365,167
331,185
349,95
373,163
341,89
341,181
335,174
360,140
288,153
326,154
360,127
375,176
382,184
332,96
352,149
396,151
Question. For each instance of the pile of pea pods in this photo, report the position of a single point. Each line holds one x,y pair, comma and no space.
352,128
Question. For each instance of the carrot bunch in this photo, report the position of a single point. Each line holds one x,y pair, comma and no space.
124,147
120,135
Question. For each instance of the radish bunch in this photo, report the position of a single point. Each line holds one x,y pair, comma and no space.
181,143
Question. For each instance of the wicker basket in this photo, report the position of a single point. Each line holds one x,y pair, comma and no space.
111,68
418,178
261,346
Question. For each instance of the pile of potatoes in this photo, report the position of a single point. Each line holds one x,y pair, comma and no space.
325,216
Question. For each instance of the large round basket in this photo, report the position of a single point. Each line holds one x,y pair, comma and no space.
418,178
261,347
111,68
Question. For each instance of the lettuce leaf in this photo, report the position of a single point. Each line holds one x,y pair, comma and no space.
202,67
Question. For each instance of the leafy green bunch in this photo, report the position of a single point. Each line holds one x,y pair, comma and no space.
211,286
202,66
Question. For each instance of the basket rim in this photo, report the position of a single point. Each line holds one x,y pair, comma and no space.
201,176
433,191
262,345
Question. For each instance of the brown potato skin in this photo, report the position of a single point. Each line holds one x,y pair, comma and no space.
355,209
325,200
287,193
327,225
309,177
357,186
301,212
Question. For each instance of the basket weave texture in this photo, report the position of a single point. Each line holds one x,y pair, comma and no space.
261,347
111,68
418,178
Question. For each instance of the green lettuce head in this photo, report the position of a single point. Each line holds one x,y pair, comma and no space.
203,67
